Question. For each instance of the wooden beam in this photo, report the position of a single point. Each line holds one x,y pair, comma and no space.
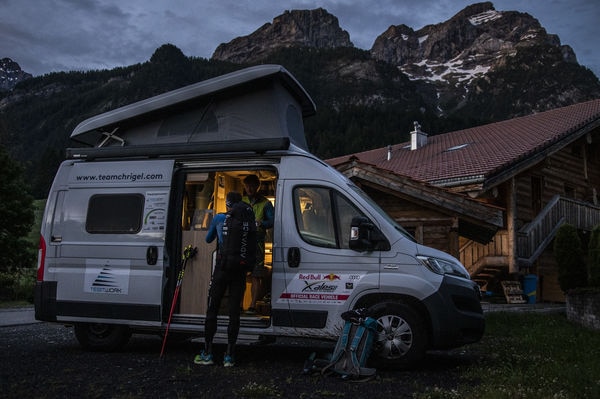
424,194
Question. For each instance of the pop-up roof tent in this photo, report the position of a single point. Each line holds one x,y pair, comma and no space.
255,109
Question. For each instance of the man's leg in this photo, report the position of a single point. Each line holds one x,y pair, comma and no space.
258,274
236,291
215,294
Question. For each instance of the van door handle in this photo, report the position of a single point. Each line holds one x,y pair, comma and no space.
293,257
152,255
54,238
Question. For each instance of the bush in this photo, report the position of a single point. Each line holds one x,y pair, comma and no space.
594,257
17,285
572,270
16,214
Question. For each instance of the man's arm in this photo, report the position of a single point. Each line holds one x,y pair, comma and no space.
268,216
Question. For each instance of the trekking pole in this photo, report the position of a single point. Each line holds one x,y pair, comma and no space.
188,252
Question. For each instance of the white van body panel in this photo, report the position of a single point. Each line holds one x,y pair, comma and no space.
332,280
108,268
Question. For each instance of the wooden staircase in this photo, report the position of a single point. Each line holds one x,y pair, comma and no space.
488,264
534,237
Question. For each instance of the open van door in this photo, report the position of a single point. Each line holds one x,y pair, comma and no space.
106,242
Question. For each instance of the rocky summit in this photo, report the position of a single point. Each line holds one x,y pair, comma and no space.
297,28
473,42
477,55
11,74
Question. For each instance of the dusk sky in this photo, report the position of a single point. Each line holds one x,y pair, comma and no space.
45,36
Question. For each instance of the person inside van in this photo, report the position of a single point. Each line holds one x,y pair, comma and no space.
265,217
223,278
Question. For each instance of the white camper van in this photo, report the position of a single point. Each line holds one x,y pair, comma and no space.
144,182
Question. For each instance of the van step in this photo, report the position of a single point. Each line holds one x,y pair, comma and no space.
245,321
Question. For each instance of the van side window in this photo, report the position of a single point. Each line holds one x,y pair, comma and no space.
323,216
115,214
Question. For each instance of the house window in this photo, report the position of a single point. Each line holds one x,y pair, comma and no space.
570,191
537,188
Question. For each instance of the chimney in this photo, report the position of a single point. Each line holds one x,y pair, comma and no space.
418,138
389,156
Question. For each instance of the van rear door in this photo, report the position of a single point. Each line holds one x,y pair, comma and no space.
108,234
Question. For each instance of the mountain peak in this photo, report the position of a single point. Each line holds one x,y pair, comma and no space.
297,28
472,42
11,74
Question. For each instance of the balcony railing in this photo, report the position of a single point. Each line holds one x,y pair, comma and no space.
535,236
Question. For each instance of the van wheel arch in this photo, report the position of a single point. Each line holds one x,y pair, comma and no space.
402,335
102,337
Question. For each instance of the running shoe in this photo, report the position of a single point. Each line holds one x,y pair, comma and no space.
205,359
228,361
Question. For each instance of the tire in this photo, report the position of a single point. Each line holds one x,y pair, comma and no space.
402,338
102,337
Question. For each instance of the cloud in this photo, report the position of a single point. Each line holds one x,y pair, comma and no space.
60,35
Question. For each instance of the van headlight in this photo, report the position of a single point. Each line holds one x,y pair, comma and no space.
444,266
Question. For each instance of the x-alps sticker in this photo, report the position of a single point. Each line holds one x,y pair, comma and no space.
107,276
320,288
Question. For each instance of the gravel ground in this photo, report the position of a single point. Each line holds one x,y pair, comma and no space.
44,361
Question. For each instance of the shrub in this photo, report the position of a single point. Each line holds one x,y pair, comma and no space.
16,214
17,285
572,270
594,258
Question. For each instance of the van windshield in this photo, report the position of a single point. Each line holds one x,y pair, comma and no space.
378,209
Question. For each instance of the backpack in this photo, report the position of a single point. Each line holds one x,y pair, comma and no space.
239,238
352,350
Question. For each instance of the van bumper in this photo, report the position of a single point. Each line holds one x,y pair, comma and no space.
456,314
44,300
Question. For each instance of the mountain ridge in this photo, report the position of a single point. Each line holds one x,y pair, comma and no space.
446,58
363,99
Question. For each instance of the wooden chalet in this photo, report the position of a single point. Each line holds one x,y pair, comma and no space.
494,195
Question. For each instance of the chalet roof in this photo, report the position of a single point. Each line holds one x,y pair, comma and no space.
487,154
478,220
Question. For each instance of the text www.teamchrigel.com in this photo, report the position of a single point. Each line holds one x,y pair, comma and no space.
120,177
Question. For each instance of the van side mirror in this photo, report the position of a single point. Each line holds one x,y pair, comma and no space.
365,236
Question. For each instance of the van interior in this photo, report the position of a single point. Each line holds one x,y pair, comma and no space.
203,197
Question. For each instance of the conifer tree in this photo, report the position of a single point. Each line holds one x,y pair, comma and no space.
16,214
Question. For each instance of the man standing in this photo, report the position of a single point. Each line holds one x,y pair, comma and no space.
229,273
265,215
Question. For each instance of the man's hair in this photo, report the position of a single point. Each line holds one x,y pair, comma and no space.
232,197
252,179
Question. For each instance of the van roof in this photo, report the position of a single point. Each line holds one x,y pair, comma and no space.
260,102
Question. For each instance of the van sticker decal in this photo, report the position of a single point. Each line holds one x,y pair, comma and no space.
121,174
320,288
155,211
108,276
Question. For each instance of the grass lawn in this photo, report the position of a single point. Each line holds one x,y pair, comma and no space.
530,355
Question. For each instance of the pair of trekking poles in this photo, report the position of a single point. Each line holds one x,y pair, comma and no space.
188,252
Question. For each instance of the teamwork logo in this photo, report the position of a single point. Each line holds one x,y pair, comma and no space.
110,277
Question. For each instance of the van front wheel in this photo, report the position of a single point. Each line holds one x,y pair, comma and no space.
401,338
102,337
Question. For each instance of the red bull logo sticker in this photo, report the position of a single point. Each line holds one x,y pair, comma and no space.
320,288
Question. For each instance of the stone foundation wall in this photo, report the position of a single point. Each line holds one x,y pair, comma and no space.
584,309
